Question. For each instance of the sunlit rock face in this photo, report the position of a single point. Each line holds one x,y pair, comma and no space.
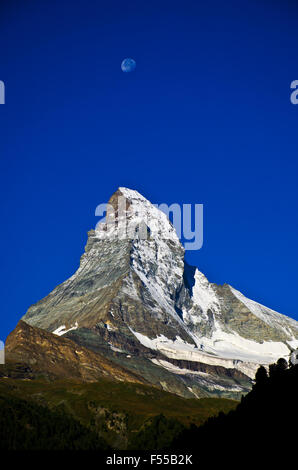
135,299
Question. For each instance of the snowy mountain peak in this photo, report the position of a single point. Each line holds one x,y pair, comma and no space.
157,258
131,194
131,216
134,292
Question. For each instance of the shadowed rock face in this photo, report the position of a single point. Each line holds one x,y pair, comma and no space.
138,298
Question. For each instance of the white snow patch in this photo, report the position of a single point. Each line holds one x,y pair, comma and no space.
113,348
293,343
234,346
204,294
177,370
61,330
228,350
191,390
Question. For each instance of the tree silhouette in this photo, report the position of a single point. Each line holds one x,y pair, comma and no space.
264,417
261,375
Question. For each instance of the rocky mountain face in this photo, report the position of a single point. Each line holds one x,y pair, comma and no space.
48,356
135,300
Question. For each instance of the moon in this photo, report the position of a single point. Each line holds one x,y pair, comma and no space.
128,65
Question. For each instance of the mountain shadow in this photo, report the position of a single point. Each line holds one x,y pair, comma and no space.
263,423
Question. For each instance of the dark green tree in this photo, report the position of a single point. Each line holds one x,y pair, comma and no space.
261,375
282,364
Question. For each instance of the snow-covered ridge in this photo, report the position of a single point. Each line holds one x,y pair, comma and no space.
267,315
132,194
205,297
204,294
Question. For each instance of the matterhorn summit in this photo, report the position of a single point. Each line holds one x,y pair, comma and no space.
135,300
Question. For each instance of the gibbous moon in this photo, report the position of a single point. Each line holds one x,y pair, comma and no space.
128,65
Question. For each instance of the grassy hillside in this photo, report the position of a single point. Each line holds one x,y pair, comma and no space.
115,411
28,426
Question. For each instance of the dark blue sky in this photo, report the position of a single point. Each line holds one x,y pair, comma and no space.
205,118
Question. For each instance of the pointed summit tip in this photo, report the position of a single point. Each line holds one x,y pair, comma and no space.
130,193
